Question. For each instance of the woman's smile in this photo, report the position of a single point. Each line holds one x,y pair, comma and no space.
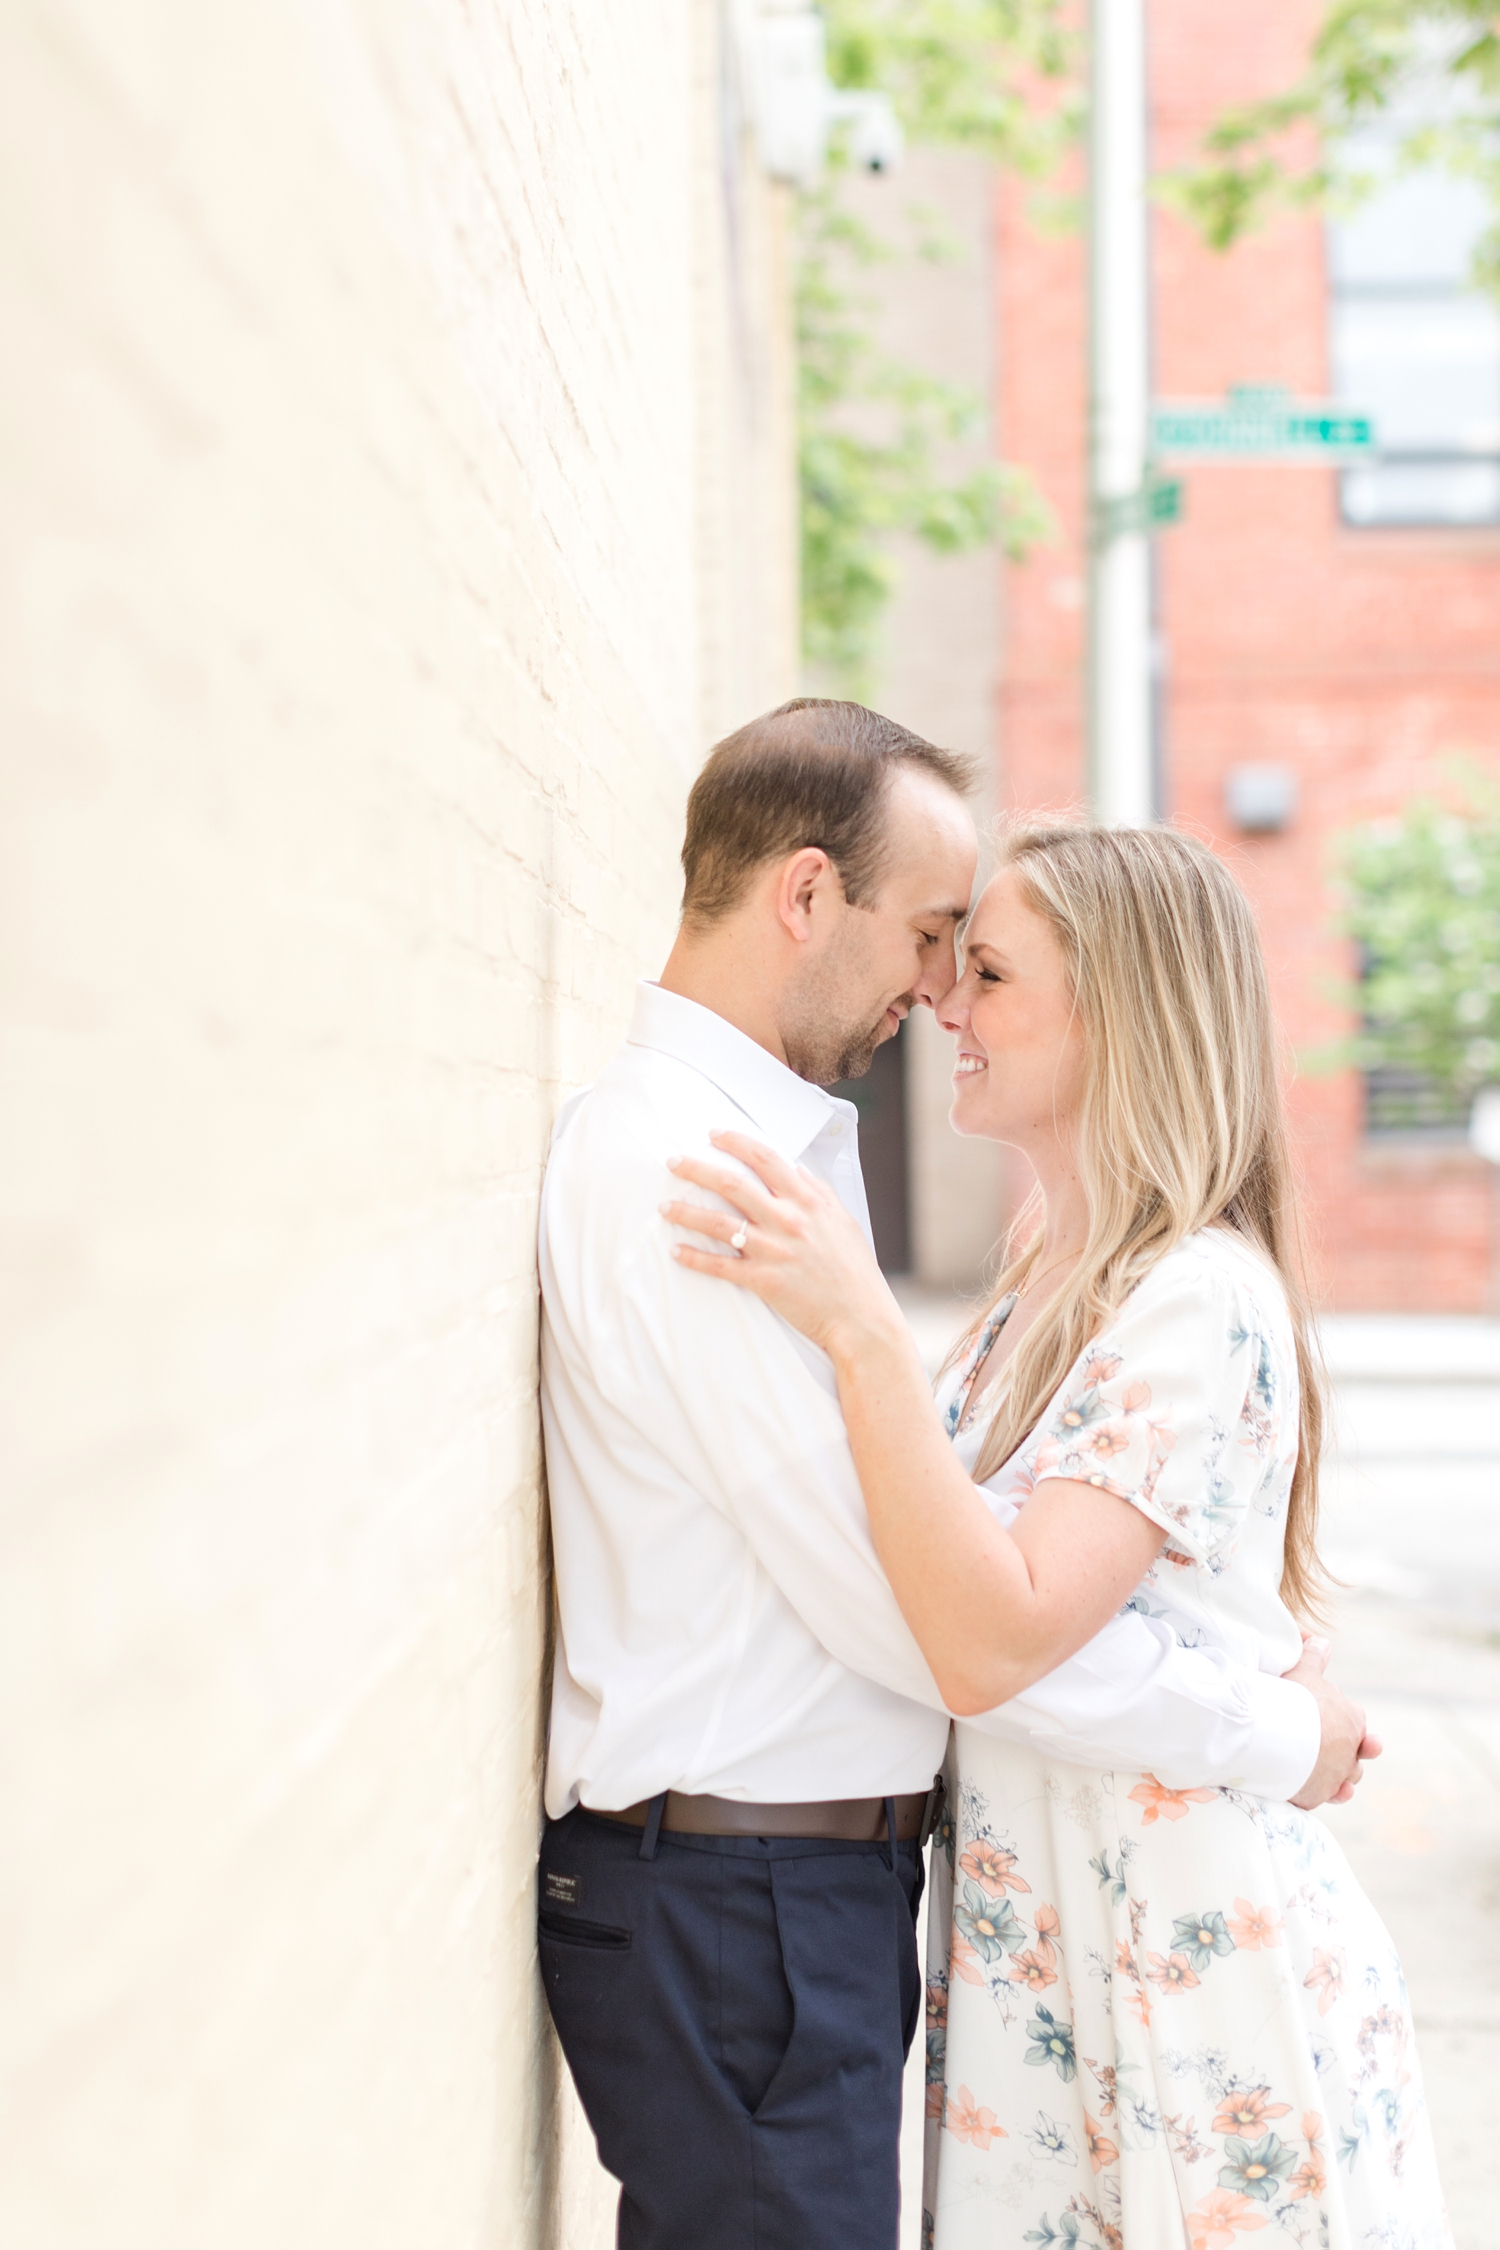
967,1065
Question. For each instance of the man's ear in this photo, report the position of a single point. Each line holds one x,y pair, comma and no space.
805,879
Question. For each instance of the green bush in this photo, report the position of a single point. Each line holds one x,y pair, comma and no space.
1422,902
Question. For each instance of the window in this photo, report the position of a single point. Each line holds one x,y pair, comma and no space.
1414,344
1405,1102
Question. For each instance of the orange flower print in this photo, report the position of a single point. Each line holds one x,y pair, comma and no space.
1135,1396
935,2099
1220,2217
964,1961
1038,1968
1326,1976
1102,2150
1113,1438
1166,1804
1174,1975
1035,1969
1245,2113
1311,2178
1103,1367
1251,1927
1138,1998
992,1868
966,2121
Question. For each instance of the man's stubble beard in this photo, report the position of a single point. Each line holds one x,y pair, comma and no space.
824,1050
857,1057
825,1054
825,1041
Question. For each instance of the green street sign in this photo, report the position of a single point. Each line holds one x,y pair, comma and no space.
1157,503
1261,422
1164,501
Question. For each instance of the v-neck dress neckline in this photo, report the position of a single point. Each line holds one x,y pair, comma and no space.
958,1405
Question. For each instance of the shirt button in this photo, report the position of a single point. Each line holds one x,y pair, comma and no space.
835,1129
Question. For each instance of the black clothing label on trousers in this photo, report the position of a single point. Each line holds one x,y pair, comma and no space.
562,1890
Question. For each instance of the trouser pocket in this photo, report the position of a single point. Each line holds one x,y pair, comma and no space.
571,1929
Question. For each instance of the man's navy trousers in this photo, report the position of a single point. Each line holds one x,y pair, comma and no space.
735,2012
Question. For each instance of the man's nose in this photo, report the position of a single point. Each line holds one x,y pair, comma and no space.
950,1010
935,982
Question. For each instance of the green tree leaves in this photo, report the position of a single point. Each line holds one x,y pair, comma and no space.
873,430
1430,69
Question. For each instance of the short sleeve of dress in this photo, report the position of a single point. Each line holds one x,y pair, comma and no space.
1177,1407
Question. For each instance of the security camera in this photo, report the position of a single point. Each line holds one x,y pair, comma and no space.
876,141
796,108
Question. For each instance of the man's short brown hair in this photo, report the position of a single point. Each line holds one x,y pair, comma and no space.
814,772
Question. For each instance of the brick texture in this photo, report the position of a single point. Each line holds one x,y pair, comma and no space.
397,500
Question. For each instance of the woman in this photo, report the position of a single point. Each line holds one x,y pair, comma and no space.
1155,2013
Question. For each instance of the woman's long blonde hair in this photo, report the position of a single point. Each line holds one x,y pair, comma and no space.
1181,1124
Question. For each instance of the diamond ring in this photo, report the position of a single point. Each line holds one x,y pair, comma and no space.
740,1236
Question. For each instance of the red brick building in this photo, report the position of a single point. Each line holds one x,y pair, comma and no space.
1346,630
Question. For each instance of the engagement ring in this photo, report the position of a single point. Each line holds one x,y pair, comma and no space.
740,1236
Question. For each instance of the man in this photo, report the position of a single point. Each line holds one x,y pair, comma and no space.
744,1733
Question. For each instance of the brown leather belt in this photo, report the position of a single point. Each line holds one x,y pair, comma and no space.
855,1820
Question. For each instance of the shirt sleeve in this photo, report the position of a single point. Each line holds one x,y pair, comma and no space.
757,1424
1174,1409
1133,1698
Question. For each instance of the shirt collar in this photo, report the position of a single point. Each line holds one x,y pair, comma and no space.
788,1110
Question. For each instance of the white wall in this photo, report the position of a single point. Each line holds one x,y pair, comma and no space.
396,502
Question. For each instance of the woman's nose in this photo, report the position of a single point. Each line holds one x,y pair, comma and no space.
950,1010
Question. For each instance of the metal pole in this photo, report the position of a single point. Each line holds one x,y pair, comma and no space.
1121,782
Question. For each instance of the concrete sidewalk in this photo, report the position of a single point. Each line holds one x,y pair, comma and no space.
1412,1526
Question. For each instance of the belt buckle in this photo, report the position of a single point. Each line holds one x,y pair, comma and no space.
932,1810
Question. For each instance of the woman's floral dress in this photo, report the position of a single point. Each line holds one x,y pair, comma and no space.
1166,2019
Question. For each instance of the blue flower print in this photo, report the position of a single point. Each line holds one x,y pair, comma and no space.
1256,2171
1200,1937
1051,2042
989,1924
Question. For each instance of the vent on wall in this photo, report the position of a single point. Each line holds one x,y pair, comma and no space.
1261,800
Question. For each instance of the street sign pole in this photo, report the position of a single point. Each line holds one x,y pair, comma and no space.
1119,612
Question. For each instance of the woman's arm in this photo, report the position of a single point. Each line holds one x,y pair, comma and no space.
992,1610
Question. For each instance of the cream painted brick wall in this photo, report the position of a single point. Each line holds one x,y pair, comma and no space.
396,502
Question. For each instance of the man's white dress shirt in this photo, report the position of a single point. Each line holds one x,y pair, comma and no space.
724,1626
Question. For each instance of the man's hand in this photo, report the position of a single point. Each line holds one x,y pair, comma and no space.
1345,1742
